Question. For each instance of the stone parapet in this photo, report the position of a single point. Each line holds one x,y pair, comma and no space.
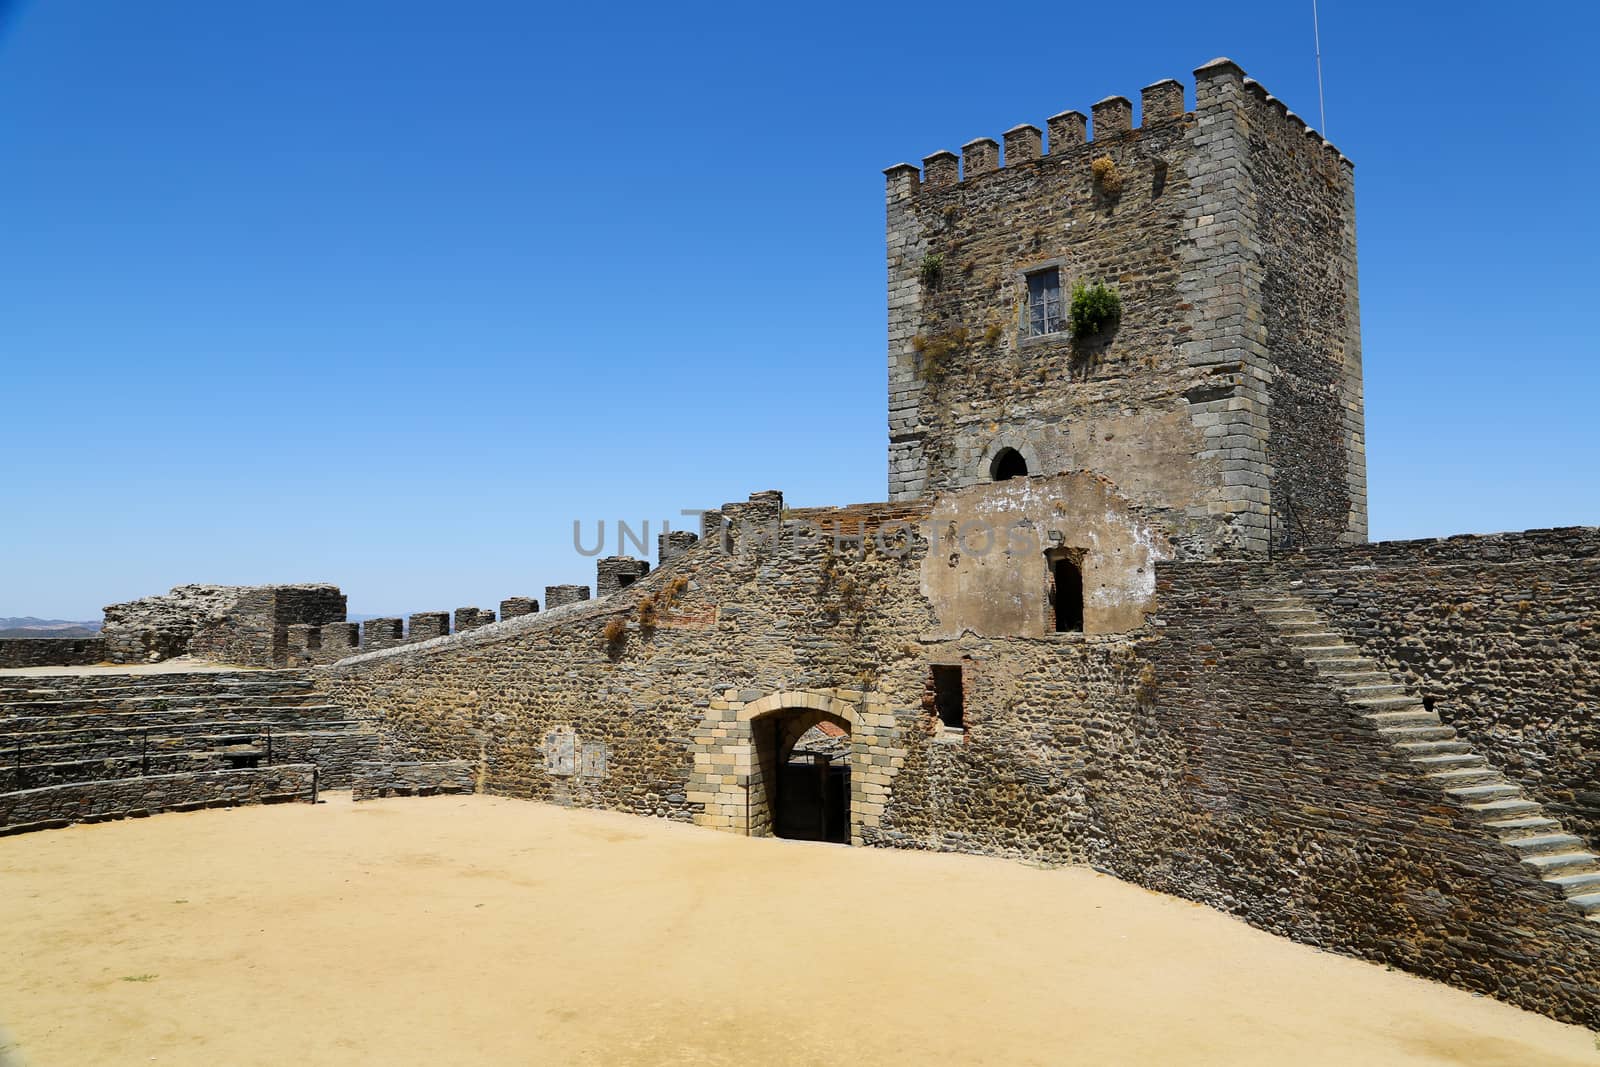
374,780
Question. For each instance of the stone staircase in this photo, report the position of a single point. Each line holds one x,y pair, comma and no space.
1442,758
58,730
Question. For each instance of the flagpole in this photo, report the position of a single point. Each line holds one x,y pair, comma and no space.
1316,32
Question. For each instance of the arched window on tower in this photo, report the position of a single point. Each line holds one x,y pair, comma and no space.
1007,464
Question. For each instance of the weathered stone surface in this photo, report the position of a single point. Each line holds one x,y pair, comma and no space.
57,729
247,625
50,651
511,607
616,572
59,805
556,596
426,625
378,779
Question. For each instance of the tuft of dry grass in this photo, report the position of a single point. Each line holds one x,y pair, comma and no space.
936,351
1148,686
1107,176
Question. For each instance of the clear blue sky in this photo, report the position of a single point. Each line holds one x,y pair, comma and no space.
388,293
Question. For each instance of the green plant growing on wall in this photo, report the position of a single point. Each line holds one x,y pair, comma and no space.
1096,309
932,271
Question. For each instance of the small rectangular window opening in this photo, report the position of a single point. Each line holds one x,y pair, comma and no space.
1069,596
625,580
1044,302
949,697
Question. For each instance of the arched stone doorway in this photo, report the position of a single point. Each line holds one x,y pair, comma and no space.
736,744
802,760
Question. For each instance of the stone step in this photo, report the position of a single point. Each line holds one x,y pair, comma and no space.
1320,654
1419,731
1448,761
1418,716
1374,689
1310,627
1422,749
1482,794
1389,703
1588,903
1315,637
1577,885
1510,830
1546,844
1329,666
1459,776
1564,863
1356,678
1504,809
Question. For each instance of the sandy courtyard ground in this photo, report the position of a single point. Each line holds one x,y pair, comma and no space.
480,930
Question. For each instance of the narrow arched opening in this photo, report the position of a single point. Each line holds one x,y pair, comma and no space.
1007,464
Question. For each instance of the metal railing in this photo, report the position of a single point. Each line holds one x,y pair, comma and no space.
1286,531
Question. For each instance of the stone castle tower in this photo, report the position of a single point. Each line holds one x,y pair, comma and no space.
1227,402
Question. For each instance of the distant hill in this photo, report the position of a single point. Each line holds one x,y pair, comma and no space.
28,626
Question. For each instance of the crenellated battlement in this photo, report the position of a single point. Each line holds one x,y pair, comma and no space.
1112,121
1294,123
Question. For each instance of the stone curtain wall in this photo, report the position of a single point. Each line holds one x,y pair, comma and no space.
1502,631
1255,789
1197,755
555,710
374,780
1047,721
1229,233
52,806
50,651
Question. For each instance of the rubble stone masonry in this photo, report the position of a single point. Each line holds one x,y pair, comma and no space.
1195,754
